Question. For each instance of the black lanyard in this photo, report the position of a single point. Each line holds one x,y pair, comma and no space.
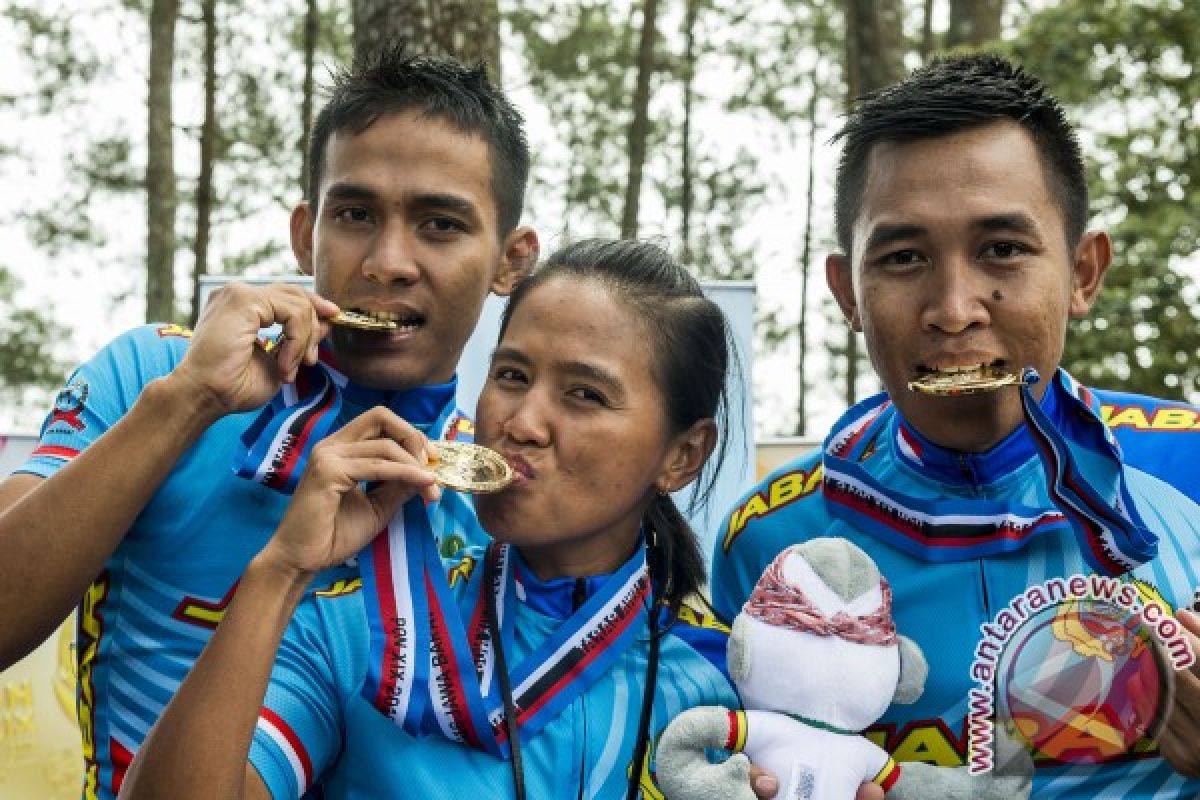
642,742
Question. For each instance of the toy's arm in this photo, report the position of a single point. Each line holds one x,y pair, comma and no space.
682,768
1010,779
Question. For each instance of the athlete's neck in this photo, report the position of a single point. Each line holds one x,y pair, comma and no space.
966,423
597,554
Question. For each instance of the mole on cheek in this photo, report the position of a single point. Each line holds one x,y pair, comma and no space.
997,296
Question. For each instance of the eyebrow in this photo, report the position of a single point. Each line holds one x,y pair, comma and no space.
886,234
350,191
1016,222
440,201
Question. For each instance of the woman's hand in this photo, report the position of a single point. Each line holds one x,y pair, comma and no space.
331,517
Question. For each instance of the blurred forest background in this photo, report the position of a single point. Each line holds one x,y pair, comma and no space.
148,142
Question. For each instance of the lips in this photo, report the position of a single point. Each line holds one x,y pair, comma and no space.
523,469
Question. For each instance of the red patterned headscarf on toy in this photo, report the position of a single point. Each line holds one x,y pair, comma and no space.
781,604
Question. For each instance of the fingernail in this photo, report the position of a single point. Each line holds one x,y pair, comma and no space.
766,783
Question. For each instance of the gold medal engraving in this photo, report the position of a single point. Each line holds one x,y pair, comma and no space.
967,381
353,319
470,468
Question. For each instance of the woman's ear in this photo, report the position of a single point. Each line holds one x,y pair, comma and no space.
688,451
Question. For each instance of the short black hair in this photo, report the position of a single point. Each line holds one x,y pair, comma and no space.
388,81
952,94
691,343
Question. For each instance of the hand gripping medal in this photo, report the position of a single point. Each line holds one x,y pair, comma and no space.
470,468
969,380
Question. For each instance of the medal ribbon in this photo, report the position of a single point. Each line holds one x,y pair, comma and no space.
282,436
1111,537
461,700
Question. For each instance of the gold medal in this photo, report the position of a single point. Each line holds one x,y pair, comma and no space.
470,468
353,319
968,381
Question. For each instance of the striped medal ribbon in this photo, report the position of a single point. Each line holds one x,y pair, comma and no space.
453,691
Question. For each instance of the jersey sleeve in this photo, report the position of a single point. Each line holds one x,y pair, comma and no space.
784,508
298,733
98,393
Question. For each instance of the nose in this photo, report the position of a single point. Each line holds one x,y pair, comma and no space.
528,423
953,298
392,257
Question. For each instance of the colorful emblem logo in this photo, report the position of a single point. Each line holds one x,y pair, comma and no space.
67,415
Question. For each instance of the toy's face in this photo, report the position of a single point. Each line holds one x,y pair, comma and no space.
824,678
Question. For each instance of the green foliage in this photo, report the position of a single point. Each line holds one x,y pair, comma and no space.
27,342
1136,94
580,60
65,63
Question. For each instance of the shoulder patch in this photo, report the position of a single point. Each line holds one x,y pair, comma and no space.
781,491
341,588
67,415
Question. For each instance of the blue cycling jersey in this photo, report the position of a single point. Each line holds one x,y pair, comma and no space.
944,603
151,610
316,726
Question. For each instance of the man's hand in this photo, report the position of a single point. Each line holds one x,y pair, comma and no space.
331,517
765,786
225,363
1177,742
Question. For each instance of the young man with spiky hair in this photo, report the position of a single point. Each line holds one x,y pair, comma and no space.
985,481
415,191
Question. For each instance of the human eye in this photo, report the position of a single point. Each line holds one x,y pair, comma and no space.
508,375
1004,251
443,226
901,260
587,395
353,215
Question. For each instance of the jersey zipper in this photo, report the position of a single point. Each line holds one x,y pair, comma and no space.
583,752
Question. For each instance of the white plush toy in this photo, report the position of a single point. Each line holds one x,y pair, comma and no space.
816,659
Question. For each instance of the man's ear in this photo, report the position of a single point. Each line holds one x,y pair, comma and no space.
839,276
301,226
688,452
1093,254
521,248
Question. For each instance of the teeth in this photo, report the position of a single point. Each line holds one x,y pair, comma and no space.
960,369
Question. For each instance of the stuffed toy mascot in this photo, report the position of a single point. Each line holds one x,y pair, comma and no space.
816,659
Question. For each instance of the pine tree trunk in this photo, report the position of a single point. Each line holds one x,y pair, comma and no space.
468,30
805,256
927,31
208,149
874,59
974,22
685,167
160,165
639,127
312,30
